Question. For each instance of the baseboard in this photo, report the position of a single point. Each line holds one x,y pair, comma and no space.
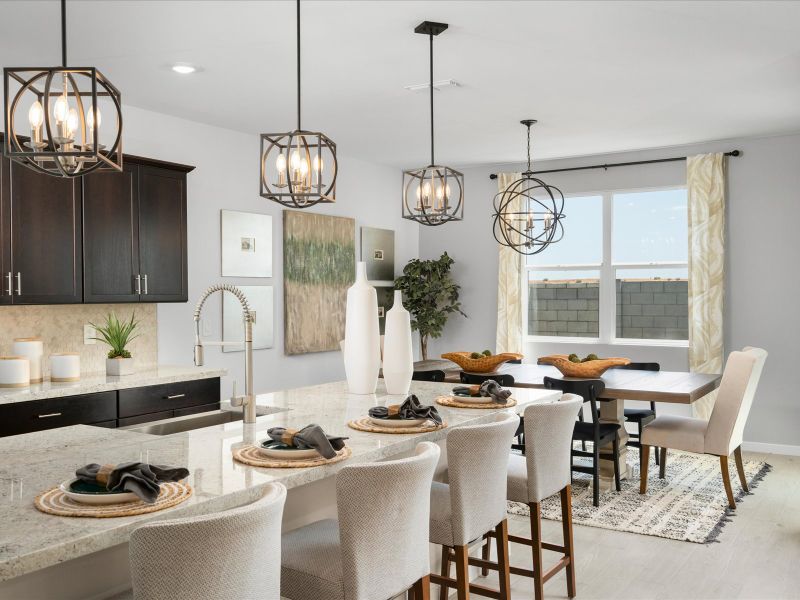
785,449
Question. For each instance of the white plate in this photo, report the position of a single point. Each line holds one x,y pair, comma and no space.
397,422
286,454
96,499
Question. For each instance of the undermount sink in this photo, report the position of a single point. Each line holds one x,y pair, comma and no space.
191,422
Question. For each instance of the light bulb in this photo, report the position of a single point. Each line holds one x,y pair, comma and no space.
280,163
72,121
303,167
443,191
36,115
294,160
318,164
90,118
61,108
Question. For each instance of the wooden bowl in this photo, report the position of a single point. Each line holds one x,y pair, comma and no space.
484,364
590,369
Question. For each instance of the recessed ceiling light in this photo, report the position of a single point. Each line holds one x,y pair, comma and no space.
184,69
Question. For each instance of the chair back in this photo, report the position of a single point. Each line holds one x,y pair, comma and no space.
588,389
503,379
384,519
736,392
640,366
181,559
434,375
477,468
548,435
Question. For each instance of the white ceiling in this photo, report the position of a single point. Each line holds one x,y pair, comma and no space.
599,76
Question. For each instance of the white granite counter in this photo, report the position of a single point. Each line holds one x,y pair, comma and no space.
100,382
33,463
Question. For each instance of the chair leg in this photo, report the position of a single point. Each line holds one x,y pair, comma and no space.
445,572
737,455
596,475
662,468
486,553
566,524
462,572
644,463
421,589
503,572
536,548
580,418
726,479
615,450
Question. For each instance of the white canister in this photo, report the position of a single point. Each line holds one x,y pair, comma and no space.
65,366
15,372
32,348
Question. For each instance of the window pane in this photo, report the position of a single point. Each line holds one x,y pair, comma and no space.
650,227
582,243
564,303
653,304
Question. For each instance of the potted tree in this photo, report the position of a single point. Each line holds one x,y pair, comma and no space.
430,295
118,334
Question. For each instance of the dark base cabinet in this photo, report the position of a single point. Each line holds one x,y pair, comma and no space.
38,415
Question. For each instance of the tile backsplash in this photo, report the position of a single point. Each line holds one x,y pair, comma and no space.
61,329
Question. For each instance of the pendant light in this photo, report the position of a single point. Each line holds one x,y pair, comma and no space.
54,115
298,168
528,213
433,195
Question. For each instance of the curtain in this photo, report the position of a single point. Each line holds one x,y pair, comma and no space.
509,286
705,177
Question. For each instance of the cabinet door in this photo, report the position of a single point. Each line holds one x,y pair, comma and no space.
6,290
111,236
162,235
38,415
45,238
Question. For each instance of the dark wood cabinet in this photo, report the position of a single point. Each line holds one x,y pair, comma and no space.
168,396
6,283
38,415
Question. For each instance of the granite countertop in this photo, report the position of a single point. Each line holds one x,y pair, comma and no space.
35,462
100,382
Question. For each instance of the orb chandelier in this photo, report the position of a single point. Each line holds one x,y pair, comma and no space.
433,195
298,168
528,213
54,115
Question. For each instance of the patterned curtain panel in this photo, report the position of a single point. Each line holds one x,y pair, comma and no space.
509,286
705,177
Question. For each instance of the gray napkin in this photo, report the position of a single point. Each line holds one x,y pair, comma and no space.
411,408
136,477
488,389
309,437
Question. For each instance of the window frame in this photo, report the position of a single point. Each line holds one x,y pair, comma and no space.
607,272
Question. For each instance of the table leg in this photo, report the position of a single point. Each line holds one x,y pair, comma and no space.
611,411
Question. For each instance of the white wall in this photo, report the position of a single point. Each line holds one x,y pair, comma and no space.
762,217
227,177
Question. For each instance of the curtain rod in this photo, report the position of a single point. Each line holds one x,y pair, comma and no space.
623,164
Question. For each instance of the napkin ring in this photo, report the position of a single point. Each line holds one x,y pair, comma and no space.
287,437
103,473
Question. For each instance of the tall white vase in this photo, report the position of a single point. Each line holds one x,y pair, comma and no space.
398,356
362,345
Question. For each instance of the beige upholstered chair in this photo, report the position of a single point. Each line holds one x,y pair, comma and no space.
378,548
473,503
722,433
227,555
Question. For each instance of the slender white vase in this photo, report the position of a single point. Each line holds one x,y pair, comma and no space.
398,356
362,346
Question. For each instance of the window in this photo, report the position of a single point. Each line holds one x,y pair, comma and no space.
620,273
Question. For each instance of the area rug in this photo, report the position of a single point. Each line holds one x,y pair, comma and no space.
689,505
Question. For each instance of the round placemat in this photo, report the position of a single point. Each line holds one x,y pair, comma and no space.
366,424
453,402
55,502
249,455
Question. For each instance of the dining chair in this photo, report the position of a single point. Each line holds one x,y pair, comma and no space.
600,434
472,503
722,434
640,416
378,548
181,559
435,375
505,380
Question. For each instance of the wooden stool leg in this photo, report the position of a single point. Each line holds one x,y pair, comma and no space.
445,571
615,450
536,548
462,572
662,468
566,523
502,559
422,589
737,454
486,553
726,479
644,463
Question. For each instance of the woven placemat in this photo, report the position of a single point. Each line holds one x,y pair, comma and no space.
365,424
249,455
55,502
454,402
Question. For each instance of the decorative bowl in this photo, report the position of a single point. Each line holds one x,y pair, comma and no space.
484,364
590,369
88,493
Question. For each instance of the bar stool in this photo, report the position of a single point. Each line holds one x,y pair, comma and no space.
473,503
378,548
223,555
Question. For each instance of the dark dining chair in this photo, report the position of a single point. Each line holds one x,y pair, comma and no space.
640,416
434,375
600,434
505,380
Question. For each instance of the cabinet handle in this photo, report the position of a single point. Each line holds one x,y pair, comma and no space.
174,396
145,284
10,284
138,284
48,415
19,283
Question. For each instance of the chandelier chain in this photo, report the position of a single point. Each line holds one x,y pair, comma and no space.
298,65
64,33
433,162
529,147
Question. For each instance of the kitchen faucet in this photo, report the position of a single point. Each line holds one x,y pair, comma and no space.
248,401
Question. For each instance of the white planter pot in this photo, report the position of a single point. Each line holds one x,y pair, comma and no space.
362,359
398,356
119,366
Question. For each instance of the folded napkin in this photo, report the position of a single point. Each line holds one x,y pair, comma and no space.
309,437
488,389
139,478
411,408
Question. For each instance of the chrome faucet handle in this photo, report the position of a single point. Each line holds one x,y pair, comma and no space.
237,400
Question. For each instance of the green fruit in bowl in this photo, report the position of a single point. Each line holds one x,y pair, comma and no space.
574,358
592,357
476,355
487,352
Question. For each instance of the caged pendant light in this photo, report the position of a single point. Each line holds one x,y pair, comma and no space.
298,168
433,195
53,117
528,213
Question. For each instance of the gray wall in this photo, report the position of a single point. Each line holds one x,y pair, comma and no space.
762,223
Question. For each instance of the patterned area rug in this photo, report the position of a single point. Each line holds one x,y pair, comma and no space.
689,505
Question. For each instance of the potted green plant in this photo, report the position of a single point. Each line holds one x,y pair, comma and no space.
118,334
430,295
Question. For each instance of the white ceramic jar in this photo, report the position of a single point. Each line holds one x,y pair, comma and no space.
65,366
398,354
31,348
362,345
15,372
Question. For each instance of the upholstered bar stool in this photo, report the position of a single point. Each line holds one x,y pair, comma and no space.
722,433
473,503
378,549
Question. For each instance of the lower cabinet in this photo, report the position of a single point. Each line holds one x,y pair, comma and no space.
38,415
